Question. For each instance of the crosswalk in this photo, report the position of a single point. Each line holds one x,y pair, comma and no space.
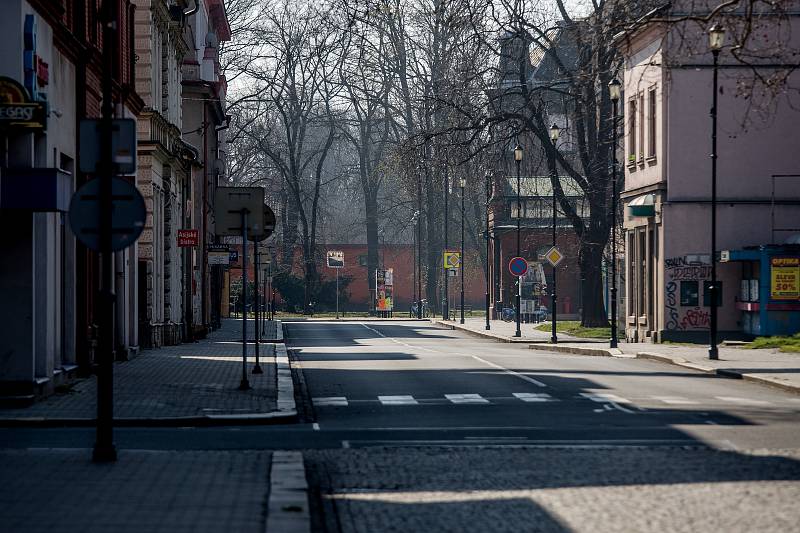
538,397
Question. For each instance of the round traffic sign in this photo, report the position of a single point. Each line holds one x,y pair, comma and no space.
128,214
518,266
269,226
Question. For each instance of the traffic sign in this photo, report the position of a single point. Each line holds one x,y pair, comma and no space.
233,256
123,145
554,256
218,257
335,259
452,259
518,266
269,226
230,202
127,214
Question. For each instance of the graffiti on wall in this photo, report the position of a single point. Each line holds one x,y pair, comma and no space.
683,311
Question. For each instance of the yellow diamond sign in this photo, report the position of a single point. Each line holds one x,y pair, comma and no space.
554,256
452,259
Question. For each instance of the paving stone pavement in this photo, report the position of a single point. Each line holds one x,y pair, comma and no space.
557,490
192,379
52,491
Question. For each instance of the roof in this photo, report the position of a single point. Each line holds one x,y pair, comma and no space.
532,186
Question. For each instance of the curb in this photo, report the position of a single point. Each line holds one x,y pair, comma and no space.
579,350
485,335
285,414
722,372
288,507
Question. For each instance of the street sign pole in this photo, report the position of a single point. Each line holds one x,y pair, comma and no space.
245,384
337,294
104,448
256,369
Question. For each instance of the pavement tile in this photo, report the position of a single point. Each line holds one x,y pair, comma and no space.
187,380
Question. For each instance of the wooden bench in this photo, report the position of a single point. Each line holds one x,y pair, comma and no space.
456,311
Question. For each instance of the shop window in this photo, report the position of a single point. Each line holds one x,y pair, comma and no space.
689,293
707,293
362,260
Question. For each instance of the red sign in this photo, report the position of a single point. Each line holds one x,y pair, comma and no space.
518,266
188,237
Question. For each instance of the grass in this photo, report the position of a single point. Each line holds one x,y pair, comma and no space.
783,344
574,328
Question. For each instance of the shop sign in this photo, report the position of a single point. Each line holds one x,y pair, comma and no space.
188,237
785,278
16,108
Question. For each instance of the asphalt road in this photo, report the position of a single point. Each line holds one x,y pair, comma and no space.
412,383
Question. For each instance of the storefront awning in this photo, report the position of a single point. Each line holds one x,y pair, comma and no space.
35,189
643,206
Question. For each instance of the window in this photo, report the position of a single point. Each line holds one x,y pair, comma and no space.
362,260
707,293
689,294
640,108
632,132
651,122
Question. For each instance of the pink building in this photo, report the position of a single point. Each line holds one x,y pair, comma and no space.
667,97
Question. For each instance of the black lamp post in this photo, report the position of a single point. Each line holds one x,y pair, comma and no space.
716,37
446,303
614,90
461,184
554,132
419,243
518,160
488,200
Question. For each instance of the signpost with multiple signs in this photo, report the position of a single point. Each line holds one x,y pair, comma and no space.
452,259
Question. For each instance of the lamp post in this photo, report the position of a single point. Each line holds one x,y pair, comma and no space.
554,132
488,199
614,90
446,303
419,244
461,184
518,160
716,37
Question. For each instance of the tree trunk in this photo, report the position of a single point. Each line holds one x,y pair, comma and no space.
371,221
593,313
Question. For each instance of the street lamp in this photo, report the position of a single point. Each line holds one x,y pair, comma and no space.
613,91
518,160
716,37
488,200
462,182
446,303
554,132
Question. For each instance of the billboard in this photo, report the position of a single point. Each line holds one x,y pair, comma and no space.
384,282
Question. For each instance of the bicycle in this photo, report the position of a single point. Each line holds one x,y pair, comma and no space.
508,314
413,313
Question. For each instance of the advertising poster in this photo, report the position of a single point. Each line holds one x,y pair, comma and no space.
384,281
785,278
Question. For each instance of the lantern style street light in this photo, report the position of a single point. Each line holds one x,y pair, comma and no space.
488,201
554,133
462,182
614,93
716,37
518,160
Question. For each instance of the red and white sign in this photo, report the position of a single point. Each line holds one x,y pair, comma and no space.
188,237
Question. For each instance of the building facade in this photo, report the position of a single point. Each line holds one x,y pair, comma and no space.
51,64
667,95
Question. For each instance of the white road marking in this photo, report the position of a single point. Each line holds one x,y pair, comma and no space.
484,361
604,397
466,398
675,400
609,401
534,397
315,426
338,401
345,444
510,372
742,401
397,400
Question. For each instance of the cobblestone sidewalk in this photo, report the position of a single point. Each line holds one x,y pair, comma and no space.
52,491
188,380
